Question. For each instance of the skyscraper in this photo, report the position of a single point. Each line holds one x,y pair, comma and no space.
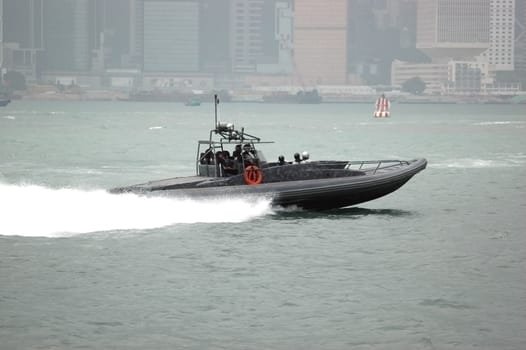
67,44
1,39
320,42
171,36
81,42
246,34
500,54
453,28
520,37
111,26
214,28
22,39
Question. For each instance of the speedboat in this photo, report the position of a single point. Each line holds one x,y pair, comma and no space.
312,185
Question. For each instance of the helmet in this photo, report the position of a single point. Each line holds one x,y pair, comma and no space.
281,158
296,156
247,147
305,155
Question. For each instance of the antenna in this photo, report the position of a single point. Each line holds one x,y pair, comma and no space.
216,102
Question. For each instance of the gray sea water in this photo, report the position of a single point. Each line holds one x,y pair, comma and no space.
438,264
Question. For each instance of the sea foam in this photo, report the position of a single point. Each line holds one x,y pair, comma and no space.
37,211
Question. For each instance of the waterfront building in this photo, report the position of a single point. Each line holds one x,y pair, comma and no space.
435,75
465,77
320,42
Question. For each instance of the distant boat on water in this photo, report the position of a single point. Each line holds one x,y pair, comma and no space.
193,102
4,101
382,107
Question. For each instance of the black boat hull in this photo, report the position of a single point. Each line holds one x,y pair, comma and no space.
314,194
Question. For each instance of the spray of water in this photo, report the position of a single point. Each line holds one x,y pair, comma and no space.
30,210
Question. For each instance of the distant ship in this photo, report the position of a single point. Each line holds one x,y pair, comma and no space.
175,96
382,107
4,101
302,96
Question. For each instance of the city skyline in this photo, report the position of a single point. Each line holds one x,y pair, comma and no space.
259,42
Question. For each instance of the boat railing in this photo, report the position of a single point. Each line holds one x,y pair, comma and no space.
374,165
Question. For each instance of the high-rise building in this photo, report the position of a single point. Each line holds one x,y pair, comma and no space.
277,39
378,33
214,28
320,42
1,40
81,42
137,32
520,37
500,54
112,29
246,34
171,36
453,28
22,39
67,44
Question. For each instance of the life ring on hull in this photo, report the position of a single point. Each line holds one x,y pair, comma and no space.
253,175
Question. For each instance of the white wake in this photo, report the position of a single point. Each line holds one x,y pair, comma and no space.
37,211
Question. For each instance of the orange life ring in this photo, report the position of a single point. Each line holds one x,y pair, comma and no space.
253,175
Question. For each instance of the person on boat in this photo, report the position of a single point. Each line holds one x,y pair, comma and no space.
247,155
229,167
237,153
228,163
297,158
281,160
207,157
248,148
305,157
220,158
220,162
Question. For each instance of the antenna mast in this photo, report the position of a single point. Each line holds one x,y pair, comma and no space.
216,102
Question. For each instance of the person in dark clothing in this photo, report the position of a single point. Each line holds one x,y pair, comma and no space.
281,160
208,157
248,156
237,153
220,158
297,158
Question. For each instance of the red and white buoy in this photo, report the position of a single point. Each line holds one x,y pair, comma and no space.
382,107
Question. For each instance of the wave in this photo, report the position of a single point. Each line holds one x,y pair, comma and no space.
501,122
470,163
37,211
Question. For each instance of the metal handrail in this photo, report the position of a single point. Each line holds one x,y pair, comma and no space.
378,164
